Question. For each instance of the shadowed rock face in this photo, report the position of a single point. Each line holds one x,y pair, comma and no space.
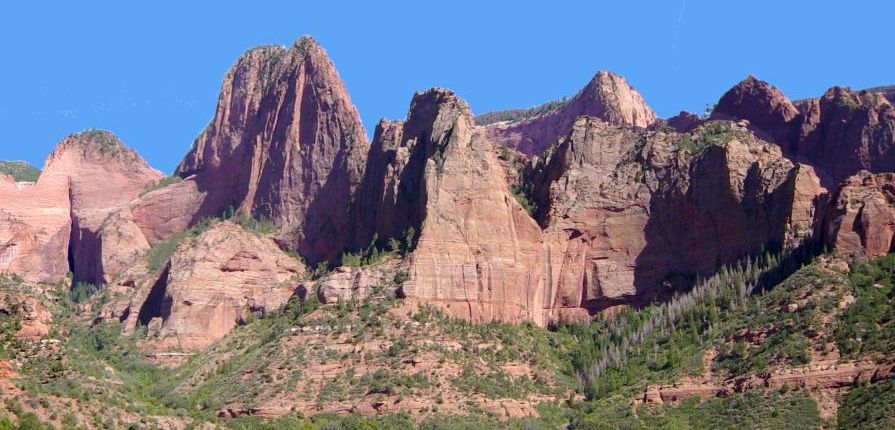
861,218
103,175
625,214
607,96
631,215
626,210
285,144
769,112
839,134
844,132
87,176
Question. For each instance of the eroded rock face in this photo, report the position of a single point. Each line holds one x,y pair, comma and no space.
861,218
478,253
285,144
632,215
839,134
212,282
34,318
684,121
103,175
844,132
354,284
131,230
43,226
765,107
607,96
35,227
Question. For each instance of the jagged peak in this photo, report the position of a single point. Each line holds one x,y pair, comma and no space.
437,102
306,42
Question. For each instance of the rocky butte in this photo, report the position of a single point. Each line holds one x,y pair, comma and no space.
554,213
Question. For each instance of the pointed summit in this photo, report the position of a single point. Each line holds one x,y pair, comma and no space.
609,97
606,96
286,144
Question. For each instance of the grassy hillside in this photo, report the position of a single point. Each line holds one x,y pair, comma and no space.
21,171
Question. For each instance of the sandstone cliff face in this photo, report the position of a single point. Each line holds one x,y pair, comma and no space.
631,215
478,254
211,282
844,132
52,227
839,134
103,175
861,218
354,284
35,226
285,144
607,96
131,230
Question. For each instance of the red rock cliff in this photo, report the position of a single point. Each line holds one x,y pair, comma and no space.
607,96
286,144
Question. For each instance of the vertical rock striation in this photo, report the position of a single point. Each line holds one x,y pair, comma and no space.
286,144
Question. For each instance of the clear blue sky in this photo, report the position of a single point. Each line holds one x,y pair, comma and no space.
151,71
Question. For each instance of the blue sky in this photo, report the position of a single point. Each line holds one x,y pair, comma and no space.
150,71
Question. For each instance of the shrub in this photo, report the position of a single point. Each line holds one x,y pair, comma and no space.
82,291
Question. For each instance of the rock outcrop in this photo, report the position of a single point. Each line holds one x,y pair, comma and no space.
211,283
354,284
770,114
52,227
684,121
286,144
861,217
607,96
103,175
478,254
34,318
35,226
844,132
630,215
839,134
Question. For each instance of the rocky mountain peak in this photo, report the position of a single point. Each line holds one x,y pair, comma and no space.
606,96
286,144
609,97
769,112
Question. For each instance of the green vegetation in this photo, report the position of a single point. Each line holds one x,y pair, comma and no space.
378,249
662,341
869,406
20,171
162,183
551,418
712,133
105,142
868,325
524,194
159,254
82,291
775,299
754,410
